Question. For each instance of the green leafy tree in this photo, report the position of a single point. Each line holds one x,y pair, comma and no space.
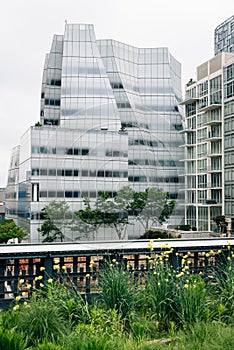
115,210
87,220
57,217
107,212
151,206
9,230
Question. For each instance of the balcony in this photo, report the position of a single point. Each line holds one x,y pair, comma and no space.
210,107
190,129
189,100
214,154
213,121
213,137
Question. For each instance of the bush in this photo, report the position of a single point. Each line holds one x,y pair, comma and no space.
183,227
40,321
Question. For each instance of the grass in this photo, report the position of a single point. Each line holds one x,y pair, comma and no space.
166,309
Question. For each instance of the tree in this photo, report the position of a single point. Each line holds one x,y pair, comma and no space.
151,206
57,217
114,211
108,212
9,230
87,220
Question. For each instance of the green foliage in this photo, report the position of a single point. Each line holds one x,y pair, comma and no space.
57,217
148,207
10,340
48,346
117,292
158,295
160,233
224,285
40,321
9,230
183,227
191,299
206,336
176,305
151,206
72,306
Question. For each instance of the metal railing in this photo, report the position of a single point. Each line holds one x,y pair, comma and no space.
83,261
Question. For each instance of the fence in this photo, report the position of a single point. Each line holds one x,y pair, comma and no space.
32,264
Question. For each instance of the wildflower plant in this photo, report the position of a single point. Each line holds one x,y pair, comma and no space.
157,296
116,289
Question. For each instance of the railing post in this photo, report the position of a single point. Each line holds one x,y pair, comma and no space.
2,282
48,264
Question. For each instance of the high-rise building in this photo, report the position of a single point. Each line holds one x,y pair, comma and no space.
209,142
109,118
224,36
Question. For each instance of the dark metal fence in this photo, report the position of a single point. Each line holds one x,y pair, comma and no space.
24,267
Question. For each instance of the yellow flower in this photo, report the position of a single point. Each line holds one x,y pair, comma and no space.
186,285
56,260
219,251
16,307
24,294
114,260
38,278
159,283
64,268
166,280
29,285
42,268
228,258
17,298
159,238
87,275
56,267
150,246
50,280
207,255
176,253
21,281
41,285
25,303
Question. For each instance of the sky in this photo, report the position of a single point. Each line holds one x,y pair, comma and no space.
27,28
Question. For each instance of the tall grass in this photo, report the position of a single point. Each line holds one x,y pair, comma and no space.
191,300
157,296
116,289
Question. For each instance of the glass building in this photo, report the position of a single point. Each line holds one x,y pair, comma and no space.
110,117
224,36
209,145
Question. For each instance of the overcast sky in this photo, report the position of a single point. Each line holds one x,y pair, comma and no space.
27,27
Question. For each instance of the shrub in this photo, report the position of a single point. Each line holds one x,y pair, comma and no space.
40,321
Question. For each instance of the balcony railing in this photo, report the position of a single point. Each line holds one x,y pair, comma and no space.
83,261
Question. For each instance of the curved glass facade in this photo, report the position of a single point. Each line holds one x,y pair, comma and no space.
109,118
